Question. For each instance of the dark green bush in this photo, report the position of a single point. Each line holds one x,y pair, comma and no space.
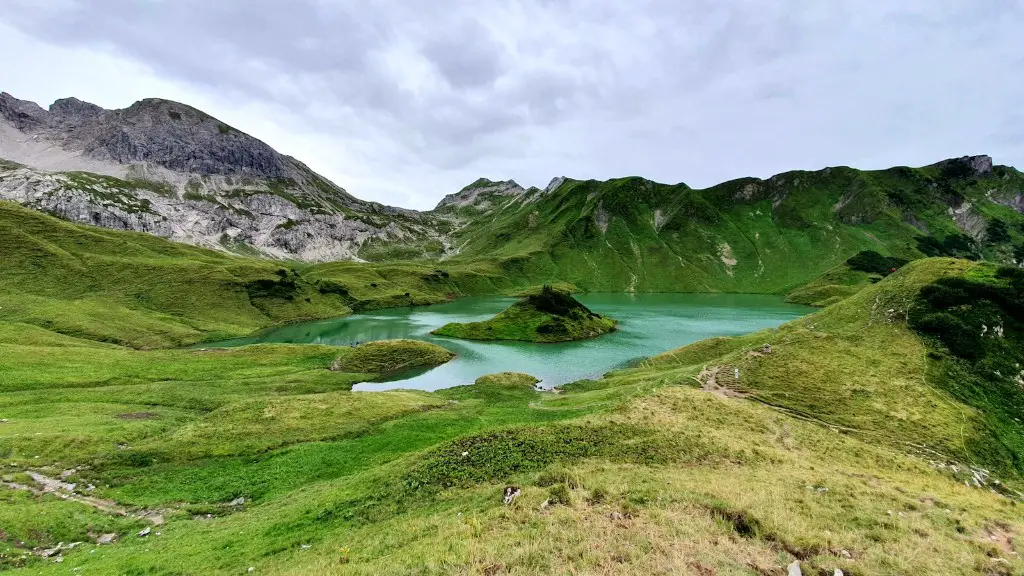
874,263
955,245
555,302
997,232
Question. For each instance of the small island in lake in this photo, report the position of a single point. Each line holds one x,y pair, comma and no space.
549,315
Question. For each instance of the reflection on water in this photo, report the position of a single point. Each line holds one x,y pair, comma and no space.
648,324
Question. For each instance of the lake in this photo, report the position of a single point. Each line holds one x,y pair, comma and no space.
648,325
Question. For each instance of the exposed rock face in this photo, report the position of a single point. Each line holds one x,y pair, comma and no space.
165,133
982,165
969,220
168,169
481,194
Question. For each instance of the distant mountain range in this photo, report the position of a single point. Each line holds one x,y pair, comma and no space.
168,169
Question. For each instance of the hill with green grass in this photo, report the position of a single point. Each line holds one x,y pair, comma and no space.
746,235
880,435
549,315
874,437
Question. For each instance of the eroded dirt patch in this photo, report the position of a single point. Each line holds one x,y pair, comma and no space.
138,416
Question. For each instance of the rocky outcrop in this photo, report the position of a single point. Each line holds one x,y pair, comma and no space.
170,170
969,220
168,134
480,195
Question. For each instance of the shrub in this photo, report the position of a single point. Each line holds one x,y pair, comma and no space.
955,245
997,232
555,302
559,476
874,263
559,495
598,495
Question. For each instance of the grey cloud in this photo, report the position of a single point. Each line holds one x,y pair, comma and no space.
698,91
468,56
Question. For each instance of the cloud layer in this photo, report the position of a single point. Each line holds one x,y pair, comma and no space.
404,102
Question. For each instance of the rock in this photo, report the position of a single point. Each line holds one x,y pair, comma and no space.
837,572
237,501
106,538
144,532
845,553
545,504
481,194
511,493
766,349
3,421
982,165
49,552
794,569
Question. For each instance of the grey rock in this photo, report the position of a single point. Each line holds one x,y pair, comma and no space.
170,170
982,165
969,220
794,569
144,532
481,195
23,114
106,538
511,493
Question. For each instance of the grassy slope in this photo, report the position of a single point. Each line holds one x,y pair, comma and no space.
526,321
739,236
141,291
834,285
648,473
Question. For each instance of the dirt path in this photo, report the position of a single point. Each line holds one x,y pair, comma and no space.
66,490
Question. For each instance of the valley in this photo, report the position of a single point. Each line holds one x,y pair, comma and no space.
214,361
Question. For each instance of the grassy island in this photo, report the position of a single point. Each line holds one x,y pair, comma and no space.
549,315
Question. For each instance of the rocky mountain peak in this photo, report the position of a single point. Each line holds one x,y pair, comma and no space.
161,132
73,110
23,114
479,191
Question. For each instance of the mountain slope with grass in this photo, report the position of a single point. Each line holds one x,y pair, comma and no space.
746,235
170,170
851,442
549,315
142,291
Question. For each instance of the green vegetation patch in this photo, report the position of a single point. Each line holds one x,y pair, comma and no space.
874,263
547,316
389,356
500,454
975,327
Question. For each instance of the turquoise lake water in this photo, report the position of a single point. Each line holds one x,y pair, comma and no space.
648,324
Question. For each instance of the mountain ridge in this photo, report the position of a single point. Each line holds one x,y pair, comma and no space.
171,170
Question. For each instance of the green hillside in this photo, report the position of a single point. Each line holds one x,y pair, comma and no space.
883,434
850,442
744,235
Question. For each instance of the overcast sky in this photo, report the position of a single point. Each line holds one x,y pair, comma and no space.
404,101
